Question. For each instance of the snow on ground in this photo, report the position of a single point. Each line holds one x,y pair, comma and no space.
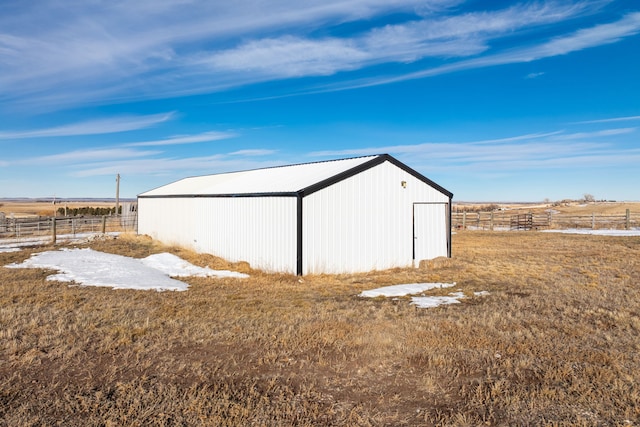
603,232
402,290
453,298
14,244
92,268
173,265
9,249
607,232
430,302
417,288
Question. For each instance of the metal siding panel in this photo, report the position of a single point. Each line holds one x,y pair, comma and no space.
258,230
166,220
364,222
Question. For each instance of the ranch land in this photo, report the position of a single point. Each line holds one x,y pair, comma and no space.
547,334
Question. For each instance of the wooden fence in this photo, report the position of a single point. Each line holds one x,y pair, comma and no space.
26,228
508,220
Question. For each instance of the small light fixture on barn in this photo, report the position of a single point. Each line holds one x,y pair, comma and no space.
403,184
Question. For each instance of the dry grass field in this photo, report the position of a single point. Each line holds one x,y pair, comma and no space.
569,208
556,342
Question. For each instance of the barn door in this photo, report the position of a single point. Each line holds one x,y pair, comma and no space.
430,233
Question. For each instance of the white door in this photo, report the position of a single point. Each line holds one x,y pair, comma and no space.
429,230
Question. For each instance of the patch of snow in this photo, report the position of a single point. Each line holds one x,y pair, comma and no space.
92,268
487,228
431,302
416,288
9,249
402,290
632,232
175,266
20,242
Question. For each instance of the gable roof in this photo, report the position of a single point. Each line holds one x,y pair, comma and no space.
293,180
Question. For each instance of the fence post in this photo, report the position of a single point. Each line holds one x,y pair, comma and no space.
593,221
491,222
628,220
464,220
104,224
53,230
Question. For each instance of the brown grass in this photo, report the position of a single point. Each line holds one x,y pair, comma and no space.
569,208
555,343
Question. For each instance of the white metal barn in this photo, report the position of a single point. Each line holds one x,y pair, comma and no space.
340,216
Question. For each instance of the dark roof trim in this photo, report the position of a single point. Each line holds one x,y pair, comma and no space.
368,165
339,177
221,196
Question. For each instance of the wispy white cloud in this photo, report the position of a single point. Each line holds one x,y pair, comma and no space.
534,75
452,36
436,148
596,134
532,151
83,156
88,51
133,161
598,35
186,139
114,51
590,37
253,153
289,57
160,166
92,127
614,119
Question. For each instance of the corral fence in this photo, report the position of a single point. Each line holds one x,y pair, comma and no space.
506,220
27,228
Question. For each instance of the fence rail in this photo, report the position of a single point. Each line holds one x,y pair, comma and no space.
25,228
506,220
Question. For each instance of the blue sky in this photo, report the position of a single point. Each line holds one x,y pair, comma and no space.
494,100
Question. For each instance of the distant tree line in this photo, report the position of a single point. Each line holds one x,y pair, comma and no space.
90,211
477,208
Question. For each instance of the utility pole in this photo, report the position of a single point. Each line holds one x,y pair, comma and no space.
117,194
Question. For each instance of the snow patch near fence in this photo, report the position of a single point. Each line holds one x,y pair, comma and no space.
607,232
14,244
402,290
417,288
92,268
